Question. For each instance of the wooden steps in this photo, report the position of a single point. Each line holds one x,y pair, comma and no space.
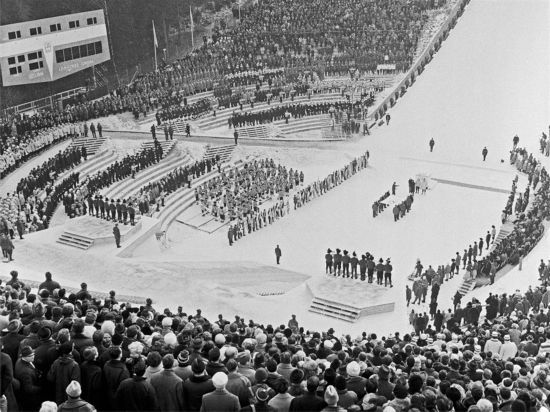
466,286
260,131
74,240
166,145
92,145
334,309
225,152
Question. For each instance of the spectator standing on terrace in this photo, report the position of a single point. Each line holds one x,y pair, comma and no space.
278,254
7,247
116,233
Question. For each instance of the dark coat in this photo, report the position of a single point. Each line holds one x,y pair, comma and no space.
28,395
220,400
193,390
136,394
76,405
63,371
114,372
307,402
11,345
93,386
169,390
6,381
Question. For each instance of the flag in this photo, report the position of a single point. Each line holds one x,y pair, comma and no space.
155,42
191,19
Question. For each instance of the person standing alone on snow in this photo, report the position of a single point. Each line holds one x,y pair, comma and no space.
432,144
278,254
116,233
484,152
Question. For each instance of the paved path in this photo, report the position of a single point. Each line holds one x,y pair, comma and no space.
471,186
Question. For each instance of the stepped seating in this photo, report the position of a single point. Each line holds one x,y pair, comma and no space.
177,124
167,145
466,286
222,116
130,187
260,131
181,200
225,152
92,145
74,240
334,309
304,124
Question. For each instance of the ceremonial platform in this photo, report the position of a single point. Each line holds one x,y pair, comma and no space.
85,231
348,299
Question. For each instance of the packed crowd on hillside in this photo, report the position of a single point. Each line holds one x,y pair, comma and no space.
71,349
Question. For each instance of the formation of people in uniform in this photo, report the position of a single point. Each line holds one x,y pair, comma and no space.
303,195
346,265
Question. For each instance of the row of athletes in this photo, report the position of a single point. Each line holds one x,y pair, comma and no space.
339,265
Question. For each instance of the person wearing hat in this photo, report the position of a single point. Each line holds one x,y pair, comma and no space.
385,387
355,382
74,403
281,401
63,371
12,340
29,394
508,350
328,262
493,345
261,396
331,399
183,369
387,273
7,395
238,385
220,399
380,271
196,386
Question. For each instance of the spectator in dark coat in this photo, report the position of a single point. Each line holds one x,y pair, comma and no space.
28,396
80,341
114,372
12,340
91,376
309,401
63,371
168,386
220,399
385,388
49,284
6,381
136,394
196,386
74,403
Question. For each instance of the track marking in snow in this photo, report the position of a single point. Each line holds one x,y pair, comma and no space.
471,186
455,164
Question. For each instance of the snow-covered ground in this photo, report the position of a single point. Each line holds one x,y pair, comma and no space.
488,82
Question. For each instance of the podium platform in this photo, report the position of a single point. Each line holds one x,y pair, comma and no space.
348,299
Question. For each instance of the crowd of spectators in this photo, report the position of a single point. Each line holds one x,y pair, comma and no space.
64,347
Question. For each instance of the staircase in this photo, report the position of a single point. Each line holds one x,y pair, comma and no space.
304,124
129,187
167,145
334,309
177,124
225,152
503,233
74,240
467,286
92,145
261,131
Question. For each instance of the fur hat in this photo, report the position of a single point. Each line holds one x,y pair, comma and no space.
331,396
73,389
353,369
219,380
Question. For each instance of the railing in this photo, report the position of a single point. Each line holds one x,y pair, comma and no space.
45,103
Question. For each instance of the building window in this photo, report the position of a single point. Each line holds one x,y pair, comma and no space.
32,56
15,70
91,49
59,57
91,20
35,31
67,54
55,27
36,65
98,47
14,35
76,52
83,51
11,60
74,24
21,59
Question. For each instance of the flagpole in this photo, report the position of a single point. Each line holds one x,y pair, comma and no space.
192,28
155,45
